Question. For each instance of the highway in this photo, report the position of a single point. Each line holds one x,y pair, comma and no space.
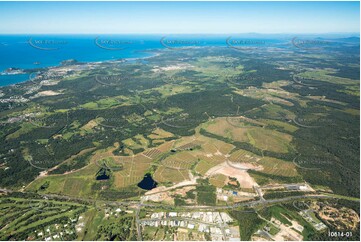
137,204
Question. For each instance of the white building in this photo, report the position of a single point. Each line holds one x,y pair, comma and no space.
190,226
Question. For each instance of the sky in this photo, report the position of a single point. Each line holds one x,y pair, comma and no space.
178,17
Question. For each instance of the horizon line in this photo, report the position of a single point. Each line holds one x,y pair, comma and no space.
234,33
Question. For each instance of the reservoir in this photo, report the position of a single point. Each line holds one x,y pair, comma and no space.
147,183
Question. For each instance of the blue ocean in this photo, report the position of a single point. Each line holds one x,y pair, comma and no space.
20,51
37,51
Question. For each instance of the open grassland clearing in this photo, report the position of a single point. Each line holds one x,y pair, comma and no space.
133,170
268,95
194,152
324,99
213,153
212,66
89,127
270,140
93,218
277,167
171,86
105,158
243,156
325,75
241,131
165,174
287,126
126,170
175,167
271,111
214,147
205,164
25,127
71,164
218,180
180,161
352,111
167,146
222,127
351,90
274,93
77,183
242,121
152,153
172,89
159,134
136,142
184,141
106,103
189,146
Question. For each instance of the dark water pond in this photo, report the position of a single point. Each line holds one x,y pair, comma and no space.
102,177
147,183
103,174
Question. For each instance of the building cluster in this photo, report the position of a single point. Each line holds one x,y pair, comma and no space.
216,224
297,187
14,99
56,232
224,195
207,217
309,216
23,117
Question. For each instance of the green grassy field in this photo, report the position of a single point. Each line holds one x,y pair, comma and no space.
37,219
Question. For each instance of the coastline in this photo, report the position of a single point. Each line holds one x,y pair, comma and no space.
28,71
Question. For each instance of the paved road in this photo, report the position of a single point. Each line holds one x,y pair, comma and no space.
137,204
139,232
259,192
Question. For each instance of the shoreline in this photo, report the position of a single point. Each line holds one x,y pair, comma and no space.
124,60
